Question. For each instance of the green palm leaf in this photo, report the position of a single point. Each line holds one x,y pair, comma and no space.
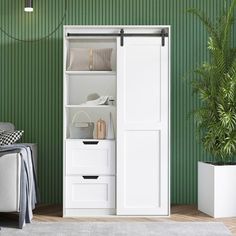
215,84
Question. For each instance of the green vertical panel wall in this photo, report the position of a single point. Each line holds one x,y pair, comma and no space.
31,76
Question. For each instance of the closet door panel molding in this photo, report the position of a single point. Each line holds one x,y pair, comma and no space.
142,127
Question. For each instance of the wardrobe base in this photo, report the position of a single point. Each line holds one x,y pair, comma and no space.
88,212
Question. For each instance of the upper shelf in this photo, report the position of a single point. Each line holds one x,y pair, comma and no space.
91,73
96,39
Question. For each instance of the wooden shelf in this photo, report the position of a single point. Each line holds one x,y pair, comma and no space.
108,73
87,106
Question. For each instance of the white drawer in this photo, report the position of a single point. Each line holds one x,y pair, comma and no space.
90,192
89,157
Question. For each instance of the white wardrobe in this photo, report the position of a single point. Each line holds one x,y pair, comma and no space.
127,174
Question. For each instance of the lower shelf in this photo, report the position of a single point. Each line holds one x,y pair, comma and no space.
93,139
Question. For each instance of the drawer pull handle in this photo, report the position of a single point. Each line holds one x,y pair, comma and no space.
90,177
90,142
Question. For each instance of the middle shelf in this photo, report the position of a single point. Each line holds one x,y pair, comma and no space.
77,89
91,73
76,116
89,106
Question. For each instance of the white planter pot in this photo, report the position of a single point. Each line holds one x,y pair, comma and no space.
217,190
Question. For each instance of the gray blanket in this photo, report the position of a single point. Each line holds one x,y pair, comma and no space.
28,182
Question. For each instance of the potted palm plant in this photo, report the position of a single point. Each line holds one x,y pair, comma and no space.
215,84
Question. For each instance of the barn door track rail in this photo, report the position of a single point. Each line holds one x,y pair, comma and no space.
164,33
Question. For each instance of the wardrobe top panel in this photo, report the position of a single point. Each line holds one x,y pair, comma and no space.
115,28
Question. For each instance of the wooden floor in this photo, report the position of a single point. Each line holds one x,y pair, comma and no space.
181,213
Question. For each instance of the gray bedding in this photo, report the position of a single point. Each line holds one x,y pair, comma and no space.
28,182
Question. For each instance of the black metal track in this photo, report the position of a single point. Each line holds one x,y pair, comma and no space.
115,35
163,34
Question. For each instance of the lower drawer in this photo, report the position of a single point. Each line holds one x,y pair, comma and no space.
90,192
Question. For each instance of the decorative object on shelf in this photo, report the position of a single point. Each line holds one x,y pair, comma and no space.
81,129
110,128
101,59
92,96
89,59
101,129
79,59
103,100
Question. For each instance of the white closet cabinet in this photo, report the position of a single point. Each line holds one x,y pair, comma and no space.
130,174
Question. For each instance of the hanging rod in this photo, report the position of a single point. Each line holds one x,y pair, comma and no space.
122,34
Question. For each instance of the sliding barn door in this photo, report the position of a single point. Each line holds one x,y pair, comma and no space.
142,126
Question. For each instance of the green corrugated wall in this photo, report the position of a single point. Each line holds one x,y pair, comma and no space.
31,77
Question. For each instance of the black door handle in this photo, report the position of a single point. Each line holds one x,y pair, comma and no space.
90,142
90,176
